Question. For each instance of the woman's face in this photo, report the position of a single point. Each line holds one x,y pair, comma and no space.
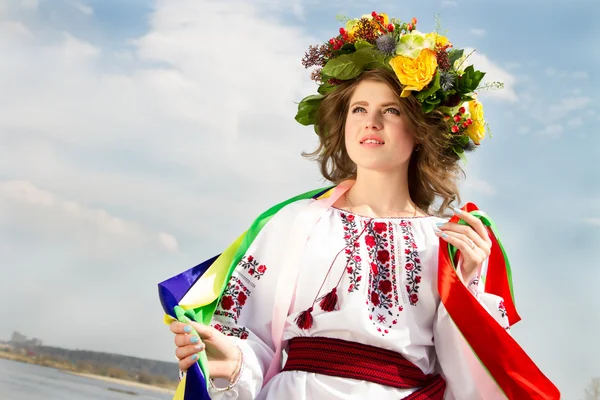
378,135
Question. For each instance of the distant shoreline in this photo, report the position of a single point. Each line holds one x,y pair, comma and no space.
124,382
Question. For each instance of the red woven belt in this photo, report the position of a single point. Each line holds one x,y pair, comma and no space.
336,357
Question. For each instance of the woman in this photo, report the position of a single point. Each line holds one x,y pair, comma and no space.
359,271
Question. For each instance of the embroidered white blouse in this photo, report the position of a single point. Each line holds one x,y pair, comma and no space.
387,297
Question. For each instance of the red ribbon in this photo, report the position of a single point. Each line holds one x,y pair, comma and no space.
512,369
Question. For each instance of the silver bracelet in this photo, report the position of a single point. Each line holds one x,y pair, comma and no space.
237,379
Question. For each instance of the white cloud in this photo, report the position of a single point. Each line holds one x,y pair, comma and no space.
478,31
74,217
479,186
84,8
554,130
575,122
523,130
553,72
168,241
449,3
12,31
494,73
592,221
30,4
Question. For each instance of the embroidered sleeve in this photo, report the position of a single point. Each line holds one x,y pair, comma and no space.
246,307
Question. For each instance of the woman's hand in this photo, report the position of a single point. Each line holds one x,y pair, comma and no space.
223,355
473,241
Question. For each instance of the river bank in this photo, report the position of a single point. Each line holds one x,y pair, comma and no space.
163,387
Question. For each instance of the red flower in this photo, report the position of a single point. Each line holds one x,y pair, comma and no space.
374,268
262,269
380,318
251,271
350,288
406,237
357,258
385,286
350,218
242,298
358,279
218,327
370,241
414,298
250,258
409,266
349,269
383,256
244,335
407,251
417,260
375,298
418,279
226,302
379,227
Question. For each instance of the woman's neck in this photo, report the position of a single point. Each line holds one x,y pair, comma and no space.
380,194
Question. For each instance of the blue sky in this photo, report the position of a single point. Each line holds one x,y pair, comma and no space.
138,138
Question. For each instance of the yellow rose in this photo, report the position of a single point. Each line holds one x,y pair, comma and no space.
438,39
476,131
415,73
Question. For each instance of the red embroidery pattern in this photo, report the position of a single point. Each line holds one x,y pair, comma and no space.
250,265
240,332
383,291
502,309
233,300
353,260
412,266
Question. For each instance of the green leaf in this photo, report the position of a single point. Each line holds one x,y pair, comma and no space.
455,55
342,67
434,87
307,109
470,80
427,108
326,88
349,66
460,153
347,48
463,140
361,44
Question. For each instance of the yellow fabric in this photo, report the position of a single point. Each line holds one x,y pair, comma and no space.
208,289
180,392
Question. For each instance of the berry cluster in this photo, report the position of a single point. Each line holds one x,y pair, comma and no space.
461,121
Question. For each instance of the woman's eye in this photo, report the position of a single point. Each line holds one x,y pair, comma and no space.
393,111
358,109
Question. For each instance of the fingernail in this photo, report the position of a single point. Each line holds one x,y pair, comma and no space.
194,339
440,224
194,357
440,233
199,347
187,329
456,210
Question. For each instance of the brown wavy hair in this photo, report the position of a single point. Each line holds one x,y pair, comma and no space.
433,169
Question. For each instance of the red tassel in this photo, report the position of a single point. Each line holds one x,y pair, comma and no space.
329,301
305,319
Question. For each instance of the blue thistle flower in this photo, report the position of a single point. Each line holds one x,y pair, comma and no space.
447,80
386,44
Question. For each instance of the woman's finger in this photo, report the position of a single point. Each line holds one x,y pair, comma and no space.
187,339
188,351
186,362
468,232
474,223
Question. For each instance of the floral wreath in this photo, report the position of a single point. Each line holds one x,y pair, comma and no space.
427,66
